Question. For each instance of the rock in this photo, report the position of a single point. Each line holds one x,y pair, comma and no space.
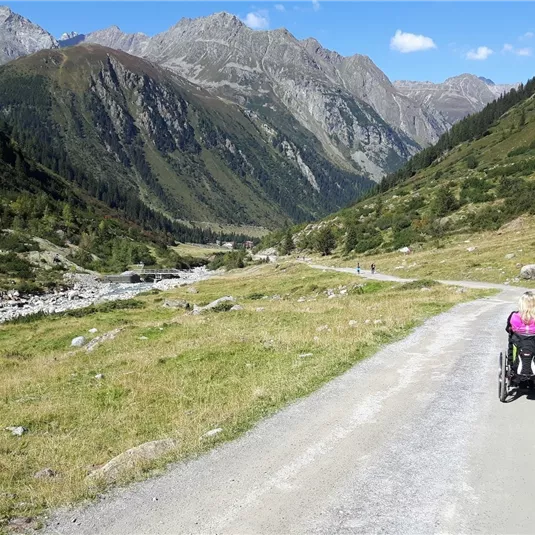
332,296
110,335
301,300
276,298
93,331
377,322
528,272
22,524
235,308
176,303
132,457
352,323
142,338
510,256
199,310
212,432
99,376
192,290
425,289
304,355
260,309
17,431
404,250
471,249
322,328
79,341
343,292
72,295
367,322
45,473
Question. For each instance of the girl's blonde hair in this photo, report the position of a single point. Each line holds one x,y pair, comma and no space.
526,307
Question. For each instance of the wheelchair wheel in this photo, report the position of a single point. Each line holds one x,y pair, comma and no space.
503,383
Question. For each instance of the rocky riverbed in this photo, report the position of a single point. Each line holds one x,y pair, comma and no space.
86,290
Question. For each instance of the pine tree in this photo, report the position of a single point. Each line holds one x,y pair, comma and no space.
351,238
288,243
325,241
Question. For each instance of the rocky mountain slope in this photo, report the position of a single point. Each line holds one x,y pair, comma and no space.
456,97
20,37
118,124
478,177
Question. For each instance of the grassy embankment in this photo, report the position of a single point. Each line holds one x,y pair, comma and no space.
172,374
450,258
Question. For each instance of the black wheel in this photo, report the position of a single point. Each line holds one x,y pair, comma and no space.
503,384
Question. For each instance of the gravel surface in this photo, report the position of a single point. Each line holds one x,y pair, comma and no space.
412,440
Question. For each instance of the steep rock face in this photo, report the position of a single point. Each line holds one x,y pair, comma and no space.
113,122
456,97
113,37
272,70
20,37
363,79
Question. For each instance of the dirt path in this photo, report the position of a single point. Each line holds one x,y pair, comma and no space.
413,440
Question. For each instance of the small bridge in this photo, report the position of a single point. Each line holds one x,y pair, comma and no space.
146,275
157,274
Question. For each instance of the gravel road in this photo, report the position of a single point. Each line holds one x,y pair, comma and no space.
412,440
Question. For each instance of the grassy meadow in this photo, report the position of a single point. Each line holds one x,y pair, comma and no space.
450,258
171,374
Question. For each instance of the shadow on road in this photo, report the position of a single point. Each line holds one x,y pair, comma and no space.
526,392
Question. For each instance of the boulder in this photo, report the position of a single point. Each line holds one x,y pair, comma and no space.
510,256
176,303
212,433
528,272
147,451
471,249
212,305
404,250
236,308
192,290
17,431
79,341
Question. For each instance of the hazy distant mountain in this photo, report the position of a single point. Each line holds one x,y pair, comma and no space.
20,37
456,97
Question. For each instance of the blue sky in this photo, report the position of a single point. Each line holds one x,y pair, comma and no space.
407,40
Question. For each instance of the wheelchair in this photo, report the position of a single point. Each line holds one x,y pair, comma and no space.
517,365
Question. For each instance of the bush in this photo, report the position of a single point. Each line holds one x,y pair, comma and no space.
419,284
13,266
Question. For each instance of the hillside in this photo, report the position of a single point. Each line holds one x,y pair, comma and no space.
478,177
121,127
49,226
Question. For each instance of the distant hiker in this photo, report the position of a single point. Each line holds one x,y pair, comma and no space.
373,268
56,259
358,268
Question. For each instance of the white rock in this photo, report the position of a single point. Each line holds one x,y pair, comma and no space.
93,330
212,432
236,308
322,328
352,323
471,249
17,431
377,322
528,271
79,341
260,309
304,355
509,256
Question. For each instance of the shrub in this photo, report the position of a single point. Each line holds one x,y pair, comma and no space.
418,284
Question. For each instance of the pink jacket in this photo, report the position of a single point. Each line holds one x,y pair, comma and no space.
518,326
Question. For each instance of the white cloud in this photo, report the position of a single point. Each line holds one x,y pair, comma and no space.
480,54
526,36
280,7
518,51
315,5
258,20
410,42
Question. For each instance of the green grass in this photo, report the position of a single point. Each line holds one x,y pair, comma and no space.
191,373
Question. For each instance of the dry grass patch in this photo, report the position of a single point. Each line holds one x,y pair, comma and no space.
170,374
450,258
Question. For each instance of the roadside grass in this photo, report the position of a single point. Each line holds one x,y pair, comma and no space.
170,374
449,258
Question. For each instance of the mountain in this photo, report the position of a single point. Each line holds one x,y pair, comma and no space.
113,37
119,125
456,97
478,177
20,37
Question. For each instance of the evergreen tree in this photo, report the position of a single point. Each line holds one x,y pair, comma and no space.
351,238
325,241
288,243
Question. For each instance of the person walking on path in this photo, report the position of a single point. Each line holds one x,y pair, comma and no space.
358,268
373,268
